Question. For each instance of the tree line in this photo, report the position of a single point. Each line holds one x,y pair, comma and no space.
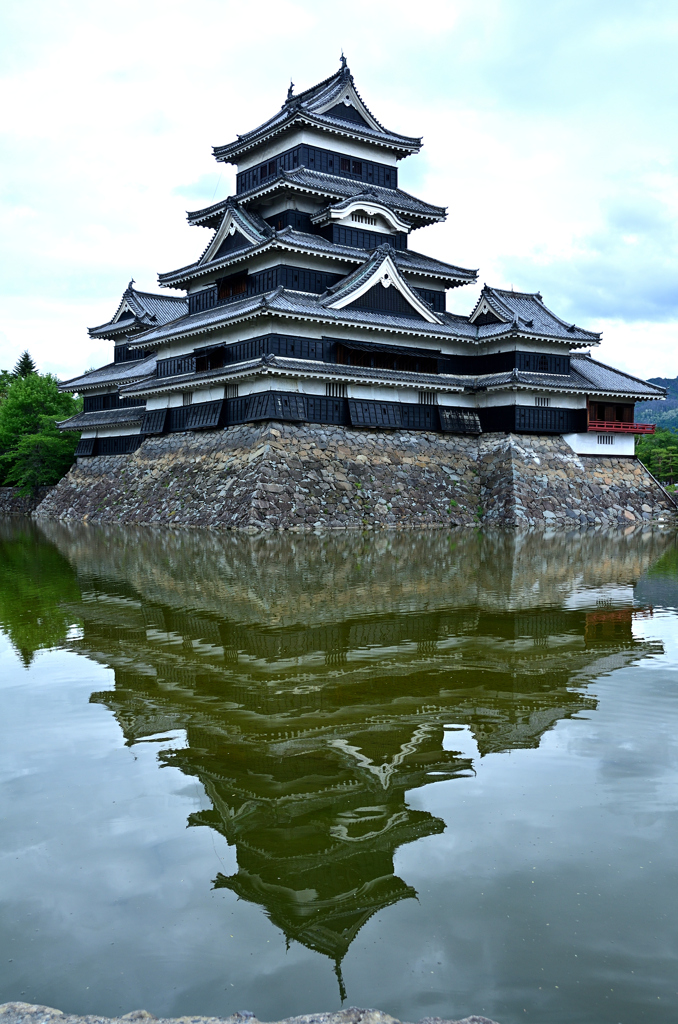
659,452
33,451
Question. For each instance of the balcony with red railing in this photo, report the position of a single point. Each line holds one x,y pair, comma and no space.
620,427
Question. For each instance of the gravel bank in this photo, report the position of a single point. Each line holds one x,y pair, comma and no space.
27,1013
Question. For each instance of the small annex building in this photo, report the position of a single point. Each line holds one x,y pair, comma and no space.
311,303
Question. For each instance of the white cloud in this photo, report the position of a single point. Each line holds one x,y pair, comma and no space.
547,132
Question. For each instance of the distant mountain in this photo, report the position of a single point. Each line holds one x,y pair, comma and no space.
664,413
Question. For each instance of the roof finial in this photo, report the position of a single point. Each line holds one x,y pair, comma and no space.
129,286
343,61
290,91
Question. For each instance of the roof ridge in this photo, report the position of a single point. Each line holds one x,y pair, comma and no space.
511,291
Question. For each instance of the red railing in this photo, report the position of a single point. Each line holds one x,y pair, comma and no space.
617,427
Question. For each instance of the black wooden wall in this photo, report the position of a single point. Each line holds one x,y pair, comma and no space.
324,160
96,403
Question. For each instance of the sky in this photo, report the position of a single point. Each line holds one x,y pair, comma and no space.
549,134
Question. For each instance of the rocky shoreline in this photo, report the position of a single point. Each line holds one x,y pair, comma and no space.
28,1013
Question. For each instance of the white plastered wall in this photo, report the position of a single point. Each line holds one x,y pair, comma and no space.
590,444
486,400
121,431
319,140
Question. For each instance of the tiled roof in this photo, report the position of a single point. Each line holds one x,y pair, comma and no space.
147,310
526,310
606,378
307,108
586,375
111,375
303,305
416,263
104,418
328,186
591,378
272,364
290,239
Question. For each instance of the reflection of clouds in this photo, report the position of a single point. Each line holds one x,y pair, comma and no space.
313,677
307,756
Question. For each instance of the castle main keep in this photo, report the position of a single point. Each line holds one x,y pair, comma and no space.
310,313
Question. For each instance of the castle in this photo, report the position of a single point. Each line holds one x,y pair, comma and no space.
309,308
309,304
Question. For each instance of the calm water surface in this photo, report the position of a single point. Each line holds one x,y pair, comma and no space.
434,774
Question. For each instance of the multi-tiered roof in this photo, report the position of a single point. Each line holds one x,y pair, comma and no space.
309,287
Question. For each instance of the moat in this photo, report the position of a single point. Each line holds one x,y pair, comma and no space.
431,772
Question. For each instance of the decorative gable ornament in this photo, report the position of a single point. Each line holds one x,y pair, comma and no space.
362,210
227,229
386,274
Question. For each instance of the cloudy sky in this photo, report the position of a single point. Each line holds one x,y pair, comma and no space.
549,133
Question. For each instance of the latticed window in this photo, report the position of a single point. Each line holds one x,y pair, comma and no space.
542,402
336,390
605,438
363,218
428,398
188,397
231,391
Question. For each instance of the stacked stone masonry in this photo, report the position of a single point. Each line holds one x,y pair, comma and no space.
299,477
14,503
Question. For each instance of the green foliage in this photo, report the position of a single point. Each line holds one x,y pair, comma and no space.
659,452
24,365
6,379
35,580
31,406
40,459
666,566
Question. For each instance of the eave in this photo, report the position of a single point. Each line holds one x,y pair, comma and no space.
564,389
177,278
401,145
263,309
126,416
282,182
281,366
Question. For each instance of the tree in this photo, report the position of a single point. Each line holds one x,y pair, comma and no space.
25,365
30,402
659,452
6,379
40,459
35,581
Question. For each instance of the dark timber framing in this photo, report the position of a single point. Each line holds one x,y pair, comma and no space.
313,256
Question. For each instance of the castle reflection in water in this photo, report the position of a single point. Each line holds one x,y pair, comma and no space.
316,679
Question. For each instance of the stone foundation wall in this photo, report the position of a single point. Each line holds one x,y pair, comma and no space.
305,477
540,480
278,476
12,503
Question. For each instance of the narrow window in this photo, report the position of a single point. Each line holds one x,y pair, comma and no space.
231,391
605,438
188,397
428,398
336,390
345,164
543,364
263,171
271,167
542,402
357,167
